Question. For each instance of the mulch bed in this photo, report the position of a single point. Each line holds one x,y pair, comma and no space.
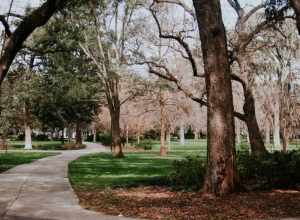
162,203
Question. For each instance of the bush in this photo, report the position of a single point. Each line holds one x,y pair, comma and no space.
145,144
40,137
188,173
277,170
20,137
103,138
152,134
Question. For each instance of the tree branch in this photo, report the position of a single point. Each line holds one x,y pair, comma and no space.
178,39
180,3
37,18
6,25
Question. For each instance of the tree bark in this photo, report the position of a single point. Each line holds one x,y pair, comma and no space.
237,132
255,138
28,141
276,130
285,140
163,148
127,135
94,135
78,135
15,40
116,144
168,138
267,132
181,133
296,6
221,177
196,136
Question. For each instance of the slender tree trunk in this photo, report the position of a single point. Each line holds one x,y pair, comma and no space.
181,133
221,177
267,132
196,136
62,136
285,140
255,138
69,133
78,135
3,143
163,148
276,131
138,137
94,135
127,136
28,141
237,132
168,138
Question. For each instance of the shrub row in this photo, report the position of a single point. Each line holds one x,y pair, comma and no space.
276,170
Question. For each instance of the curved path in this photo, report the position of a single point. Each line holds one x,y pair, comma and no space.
41,190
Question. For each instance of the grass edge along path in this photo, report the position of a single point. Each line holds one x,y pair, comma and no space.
12,159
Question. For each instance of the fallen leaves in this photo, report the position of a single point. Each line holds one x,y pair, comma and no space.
161,203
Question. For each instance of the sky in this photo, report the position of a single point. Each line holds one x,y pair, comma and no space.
228,13
18,5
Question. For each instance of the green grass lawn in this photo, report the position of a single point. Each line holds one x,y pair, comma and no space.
12,159
44,145
37,145
140,168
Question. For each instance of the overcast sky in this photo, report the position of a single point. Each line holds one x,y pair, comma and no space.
228,14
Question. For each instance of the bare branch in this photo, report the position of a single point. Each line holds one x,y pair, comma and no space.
180,3
6,25
178,39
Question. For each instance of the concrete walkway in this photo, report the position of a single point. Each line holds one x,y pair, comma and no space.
41,190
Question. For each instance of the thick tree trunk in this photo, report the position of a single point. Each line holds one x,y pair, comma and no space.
116,139
221,175
181,133
28,142
276,128
15,40
296,6
163,148
78,135
255,138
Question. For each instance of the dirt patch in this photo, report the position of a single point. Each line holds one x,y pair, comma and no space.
162,203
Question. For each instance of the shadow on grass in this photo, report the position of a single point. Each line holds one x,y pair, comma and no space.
102,170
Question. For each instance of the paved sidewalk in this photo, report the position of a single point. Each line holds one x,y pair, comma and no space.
41,190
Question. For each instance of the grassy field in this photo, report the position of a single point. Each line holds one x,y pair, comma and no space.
10,160
138,168
39,145
43,145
